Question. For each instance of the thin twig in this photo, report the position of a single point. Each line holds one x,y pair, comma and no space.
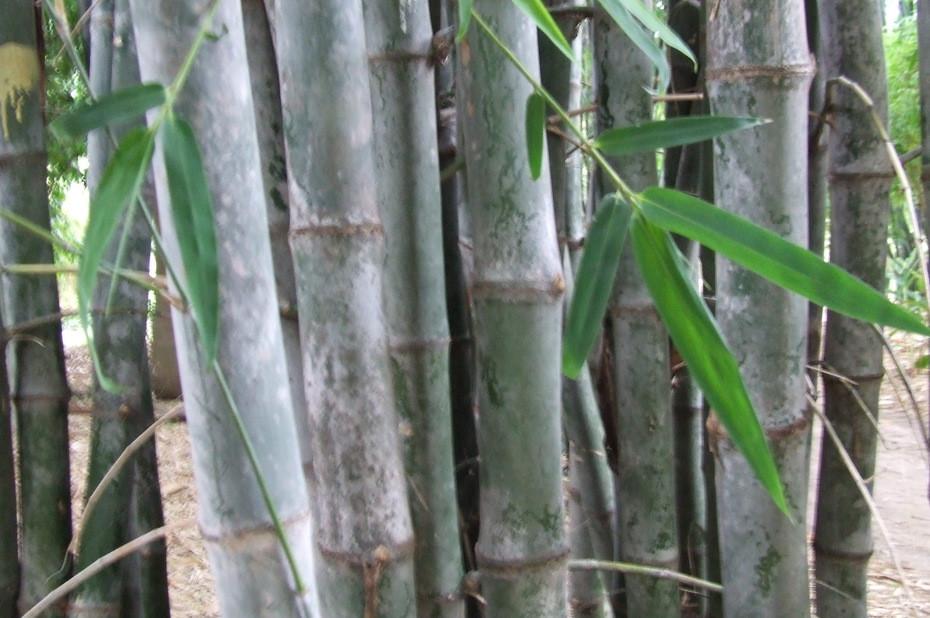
103,562
910,155
675,97
638,569
571,113
39,231
114,470
899,171
907,387
864,490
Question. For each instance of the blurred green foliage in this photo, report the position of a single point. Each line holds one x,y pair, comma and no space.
66,159
904,115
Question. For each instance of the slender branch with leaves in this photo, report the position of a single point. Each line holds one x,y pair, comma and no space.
650,217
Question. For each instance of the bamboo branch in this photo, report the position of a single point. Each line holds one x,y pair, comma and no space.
103,562
907,386
67,41
638,569
676,97
114,470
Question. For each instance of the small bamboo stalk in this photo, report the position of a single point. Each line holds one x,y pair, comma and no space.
646,506
120,341
9,550
403,106
923,37
860,185
590,501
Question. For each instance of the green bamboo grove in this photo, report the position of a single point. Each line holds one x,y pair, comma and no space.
480,307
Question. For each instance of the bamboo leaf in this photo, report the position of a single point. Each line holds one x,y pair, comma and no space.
594,281
535,132
540,15
465,7
653,23
192,214
116,107
118,188
698,340
641,38
649,136
774,258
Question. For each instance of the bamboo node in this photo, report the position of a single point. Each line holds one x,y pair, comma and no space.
785,71
510,566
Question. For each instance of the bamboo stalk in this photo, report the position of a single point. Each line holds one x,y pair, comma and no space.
759,65
120,341
38,387
364,537
518,292
266,97
590,501
403,105
647,523
817,176
244,393
860,184
455,243
923,37
9,550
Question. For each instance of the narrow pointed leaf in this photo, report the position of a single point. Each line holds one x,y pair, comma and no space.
535,132
594,281
116,107
642,39
653,23
698,340
774,258
118,188
192,214
679,131
465,7
545,22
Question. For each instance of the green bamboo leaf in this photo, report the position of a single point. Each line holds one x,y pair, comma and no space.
118,188
653,23
465,7
679,131
642,39
116,107
697,338
535,132
594,281
774,258
540,15
192,214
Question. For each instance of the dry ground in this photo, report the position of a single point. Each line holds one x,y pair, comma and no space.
901,493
